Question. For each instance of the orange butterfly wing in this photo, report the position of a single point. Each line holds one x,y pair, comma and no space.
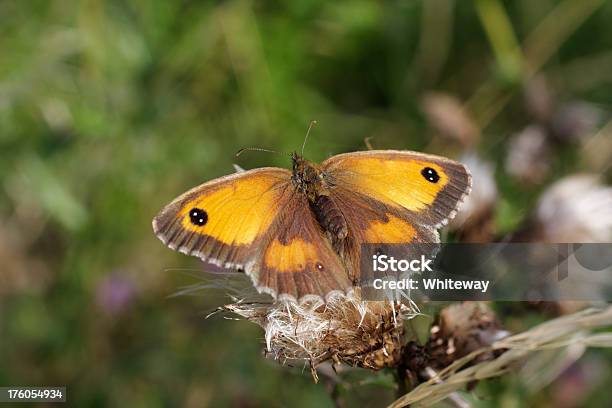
224,220
394,197
257,222
425,188
299,263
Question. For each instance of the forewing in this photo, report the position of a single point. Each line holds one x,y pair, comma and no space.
427,188
225,221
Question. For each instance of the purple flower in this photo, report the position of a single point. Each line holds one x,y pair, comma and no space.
115,294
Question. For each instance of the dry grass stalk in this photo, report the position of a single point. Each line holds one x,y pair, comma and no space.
554,334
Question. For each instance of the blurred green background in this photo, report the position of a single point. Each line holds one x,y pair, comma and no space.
110,109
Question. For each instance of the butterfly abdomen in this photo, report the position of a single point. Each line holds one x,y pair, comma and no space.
330,217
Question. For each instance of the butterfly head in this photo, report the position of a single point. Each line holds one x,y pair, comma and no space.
307,176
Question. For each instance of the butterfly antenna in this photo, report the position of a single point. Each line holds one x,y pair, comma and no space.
258,149
310,126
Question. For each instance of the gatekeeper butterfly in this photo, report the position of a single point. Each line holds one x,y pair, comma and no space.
297,234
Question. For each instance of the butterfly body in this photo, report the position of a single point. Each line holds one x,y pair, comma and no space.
312,181
298,234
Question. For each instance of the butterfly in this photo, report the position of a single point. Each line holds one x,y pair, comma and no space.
298,234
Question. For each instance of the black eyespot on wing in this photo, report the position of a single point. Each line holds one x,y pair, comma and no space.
198,217
430,175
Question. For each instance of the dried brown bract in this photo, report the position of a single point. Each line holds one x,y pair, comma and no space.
449,118
459,330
